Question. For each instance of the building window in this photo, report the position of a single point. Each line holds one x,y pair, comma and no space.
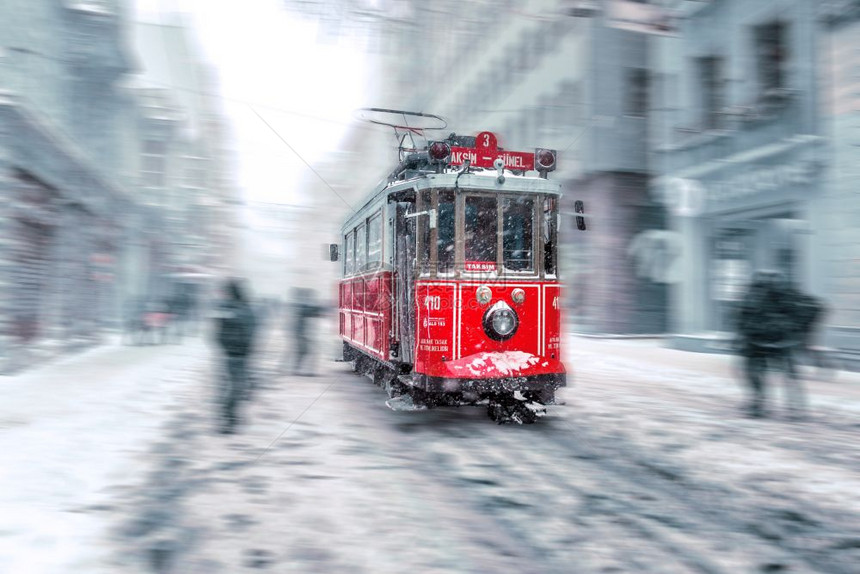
711,90
195,172
153,163
637,92
771,53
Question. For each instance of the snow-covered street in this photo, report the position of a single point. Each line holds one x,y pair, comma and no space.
113,464
72,432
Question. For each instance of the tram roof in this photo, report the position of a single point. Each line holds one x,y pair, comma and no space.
476,181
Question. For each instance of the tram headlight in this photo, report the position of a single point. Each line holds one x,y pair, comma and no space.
483,294
500,322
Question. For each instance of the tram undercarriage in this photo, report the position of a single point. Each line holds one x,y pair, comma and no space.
521,400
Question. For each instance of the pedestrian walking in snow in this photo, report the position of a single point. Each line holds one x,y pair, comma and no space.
304,309
155,320
810,313
770,332
235,335
178,305
132,322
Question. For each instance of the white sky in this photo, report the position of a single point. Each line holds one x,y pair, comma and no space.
271,59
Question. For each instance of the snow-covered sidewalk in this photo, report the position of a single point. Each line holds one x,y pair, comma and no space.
71,432
712,372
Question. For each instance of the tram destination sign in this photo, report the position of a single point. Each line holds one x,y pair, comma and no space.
486,152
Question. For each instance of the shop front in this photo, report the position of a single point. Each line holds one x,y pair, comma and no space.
753,212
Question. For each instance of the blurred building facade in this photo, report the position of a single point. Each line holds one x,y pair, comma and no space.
557,74
63,116
837,274
81,231
282,248
707,138
187,173
740,154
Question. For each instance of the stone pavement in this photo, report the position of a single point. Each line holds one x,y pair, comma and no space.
71,431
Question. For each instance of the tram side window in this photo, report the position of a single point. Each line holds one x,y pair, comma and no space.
374,241
361,248
424,233
481,229
445,232
550,234
517,236
349,257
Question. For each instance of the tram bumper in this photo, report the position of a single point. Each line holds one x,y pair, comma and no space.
494,372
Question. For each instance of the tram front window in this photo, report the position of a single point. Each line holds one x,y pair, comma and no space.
445,231
517,237
424,233
481,227
550,234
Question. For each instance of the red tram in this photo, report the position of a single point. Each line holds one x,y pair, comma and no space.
450,290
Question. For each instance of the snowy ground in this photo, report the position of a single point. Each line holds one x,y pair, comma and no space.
73,431
649,467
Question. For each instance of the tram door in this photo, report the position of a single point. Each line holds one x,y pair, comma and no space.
404,273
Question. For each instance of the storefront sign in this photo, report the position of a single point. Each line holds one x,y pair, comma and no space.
641,17
760,180
729,279
684,197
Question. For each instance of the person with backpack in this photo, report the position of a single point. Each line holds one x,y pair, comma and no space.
810,314
235,335
770,333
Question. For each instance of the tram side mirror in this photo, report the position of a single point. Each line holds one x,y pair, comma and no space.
333,252
579,209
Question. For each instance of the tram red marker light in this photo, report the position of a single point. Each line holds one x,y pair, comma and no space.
439,151
545,160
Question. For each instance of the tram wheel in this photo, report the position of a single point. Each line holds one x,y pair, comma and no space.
512,411
392,386
496,412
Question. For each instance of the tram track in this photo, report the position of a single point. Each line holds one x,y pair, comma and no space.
830,431
769,519
700,525
652,542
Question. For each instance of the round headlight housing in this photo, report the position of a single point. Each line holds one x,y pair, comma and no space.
501,322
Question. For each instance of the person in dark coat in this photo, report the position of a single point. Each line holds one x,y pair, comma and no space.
301,314
235,335
176,311
770,333
811,313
